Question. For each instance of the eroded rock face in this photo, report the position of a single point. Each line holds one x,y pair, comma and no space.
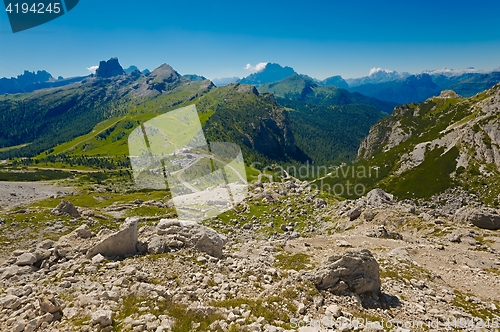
356,270
121,243
109,68
481,217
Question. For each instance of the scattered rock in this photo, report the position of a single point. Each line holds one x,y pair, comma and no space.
10,302
190,234
382,233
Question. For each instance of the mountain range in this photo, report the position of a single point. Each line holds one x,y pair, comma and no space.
389,85
294,120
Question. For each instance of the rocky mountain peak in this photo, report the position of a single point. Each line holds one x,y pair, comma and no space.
109,68
164,74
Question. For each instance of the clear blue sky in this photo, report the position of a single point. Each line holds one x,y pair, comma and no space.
218,38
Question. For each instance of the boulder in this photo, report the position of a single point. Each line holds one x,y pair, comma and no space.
102,317
355,213
121,243
378,198
175,234
356,270
369,214
486,218
66,208
157,245
27,258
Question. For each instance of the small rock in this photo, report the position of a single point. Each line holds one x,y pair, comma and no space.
98,259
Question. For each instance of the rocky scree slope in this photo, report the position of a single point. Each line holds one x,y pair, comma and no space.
289,256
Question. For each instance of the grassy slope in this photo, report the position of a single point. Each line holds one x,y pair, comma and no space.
433,175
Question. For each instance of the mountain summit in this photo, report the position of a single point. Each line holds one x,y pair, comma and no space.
272,72
109,68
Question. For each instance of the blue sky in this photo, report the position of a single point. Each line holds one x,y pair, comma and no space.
218,38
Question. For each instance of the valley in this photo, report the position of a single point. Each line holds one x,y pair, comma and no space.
87,246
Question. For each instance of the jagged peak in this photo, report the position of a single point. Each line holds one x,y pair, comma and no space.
109,68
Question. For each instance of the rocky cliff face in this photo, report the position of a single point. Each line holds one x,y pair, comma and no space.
109,68
459,135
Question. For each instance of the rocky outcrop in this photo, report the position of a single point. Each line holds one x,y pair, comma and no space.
121,243
378,198
66,208
481,217
109,68
356,271
172,234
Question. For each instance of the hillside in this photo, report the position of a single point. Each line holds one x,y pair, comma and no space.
327,122
447,144
234,113
32,123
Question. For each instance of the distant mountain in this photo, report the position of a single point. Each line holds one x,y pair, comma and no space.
469,85
194,78
132,68
327,122
453,72
272,72
415,88
19,83
225,80
45,118
31,81
302,88
418,88
377,75
335,81
109,68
